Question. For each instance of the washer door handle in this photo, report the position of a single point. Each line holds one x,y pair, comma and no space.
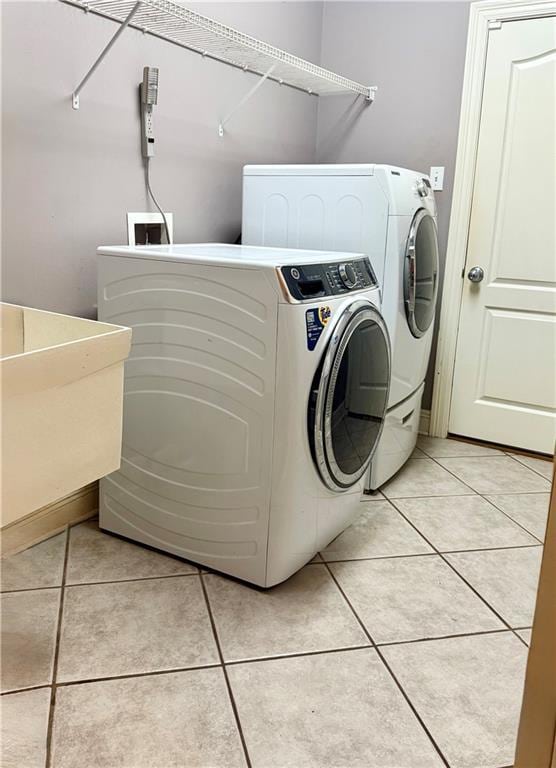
475,274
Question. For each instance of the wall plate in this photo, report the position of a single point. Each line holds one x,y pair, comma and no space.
134,218
437,177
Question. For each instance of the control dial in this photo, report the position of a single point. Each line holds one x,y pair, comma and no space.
422,188
348,275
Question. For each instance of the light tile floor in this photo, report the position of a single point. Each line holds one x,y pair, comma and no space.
402,645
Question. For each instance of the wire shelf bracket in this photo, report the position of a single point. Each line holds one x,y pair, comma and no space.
125,23
244,100
188,29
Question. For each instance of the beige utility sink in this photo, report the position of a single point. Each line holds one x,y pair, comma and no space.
61,384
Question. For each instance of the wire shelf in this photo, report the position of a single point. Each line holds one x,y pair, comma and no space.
208,37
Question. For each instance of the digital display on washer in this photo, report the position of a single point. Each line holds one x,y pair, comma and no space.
311,281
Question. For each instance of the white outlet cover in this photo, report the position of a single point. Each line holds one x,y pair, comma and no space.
134,218
437,177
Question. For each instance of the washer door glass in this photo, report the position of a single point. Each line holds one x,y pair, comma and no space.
421,273
350,395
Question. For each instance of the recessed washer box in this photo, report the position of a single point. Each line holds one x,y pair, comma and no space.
148,228
62,391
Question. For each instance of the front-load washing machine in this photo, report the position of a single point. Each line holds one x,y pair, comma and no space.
254,397
387,213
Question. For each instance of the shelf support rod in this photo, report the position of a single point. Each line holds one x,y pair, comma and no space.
244,100
102,55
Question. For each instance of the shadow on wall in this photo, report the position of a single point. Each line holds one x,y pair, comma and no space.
415,53
341,127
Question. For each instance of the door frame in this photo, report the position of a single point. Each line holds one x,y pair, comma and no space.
484,16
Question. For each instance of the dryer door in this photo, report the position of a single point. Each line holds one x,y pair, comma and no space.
349,396
421,273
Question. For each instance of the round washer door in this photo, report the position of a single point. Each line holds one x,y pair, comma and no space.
349,396
421,273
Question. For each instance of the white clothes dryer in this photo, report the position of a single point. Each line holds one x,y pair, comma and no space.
387,213
254,398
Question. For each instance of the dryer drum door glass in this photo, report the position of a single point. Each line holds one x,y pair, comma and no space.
349,396
421,273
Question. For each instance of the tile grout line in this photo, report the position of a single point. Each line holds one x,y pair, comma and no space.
483,496
480,493
225,673
537,543
371,558
471,587
256,660
457,495
296,655
321,561
131,675
425,554
541,542
25,690
492,450
502,453
100,583
56,655
514,457
435,495
139,578
388,668
442,637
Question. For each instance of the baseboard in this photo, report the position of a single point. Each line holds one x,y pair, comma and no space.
424,422
49,520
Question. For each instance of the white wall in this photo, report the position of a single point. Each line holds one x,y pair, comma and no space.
69,177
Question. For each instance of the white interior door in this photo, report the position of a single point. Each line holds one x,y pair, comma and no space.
505,374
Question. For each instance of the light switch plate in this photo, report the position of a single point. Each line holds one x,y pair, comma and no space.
437,177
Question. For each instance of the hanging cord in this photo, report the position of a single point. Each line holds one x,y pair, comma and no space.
155,201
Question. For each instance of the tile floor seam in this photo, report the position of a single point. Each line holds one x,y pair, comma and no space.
444,637
29,589
439,460
225,673
514,457
508,516
488,549
40,687
391,502
504,493
131,675
127,581
97,583
483,496
390,671
458,456
255,660
471,587
438,495
376,557
296,655
503,449
454,474
50,724
426,554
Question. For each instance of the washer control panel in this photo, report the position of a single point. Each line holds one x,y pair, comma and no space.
311,281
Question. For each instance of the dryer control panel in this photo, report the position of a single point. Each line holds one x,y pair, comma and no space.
311,281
